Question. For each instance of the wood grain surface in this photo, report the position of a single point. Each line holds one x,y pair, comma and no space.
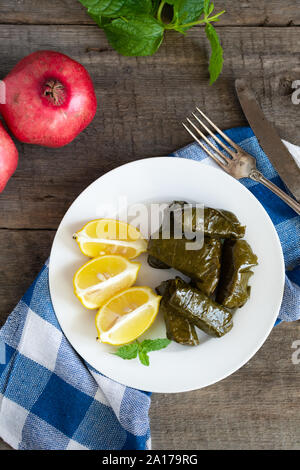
243,12
255,408
142,102
141,106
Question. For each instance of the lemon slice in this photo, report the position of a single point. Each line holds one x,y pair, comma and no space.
101,278
110,237
127,315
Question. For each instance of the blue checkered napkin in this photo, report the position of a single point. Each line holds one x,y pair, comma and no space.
50,398
286,221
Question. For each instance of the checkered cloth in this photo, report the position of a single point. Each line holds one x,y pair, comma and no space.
50,398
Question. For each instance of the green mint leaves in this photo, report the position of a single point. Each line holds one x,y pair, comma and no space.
137,27
131,351
139,36
117,8
216,58
186,11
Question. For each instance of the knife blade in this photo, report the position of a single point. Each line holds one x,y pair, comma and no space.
268,139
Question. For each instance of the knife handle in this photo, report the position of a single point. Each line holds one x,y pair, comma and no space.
258,176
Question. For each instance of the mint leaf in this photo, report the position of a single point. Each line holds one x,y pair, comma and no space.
154,344
100,20
206,7
151,345
188,11
143,357
129,351
117,8
216,58
89,3
139,36
155,5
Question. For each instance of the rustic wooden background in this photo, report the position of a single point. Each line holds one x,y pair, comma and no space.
141,104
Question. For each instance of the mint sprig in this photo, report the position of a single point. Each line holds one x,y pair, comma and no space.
216,58
137,27
131,351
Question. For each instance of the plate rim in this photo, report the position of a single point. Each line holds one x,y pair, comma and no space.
282,273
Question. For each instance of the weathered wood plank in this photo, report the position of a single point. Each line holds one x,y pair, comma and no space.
255,408
246,12
142,102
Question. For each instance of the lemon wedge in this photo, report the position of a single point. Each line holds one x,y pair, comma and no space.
127,315
110,237
101,278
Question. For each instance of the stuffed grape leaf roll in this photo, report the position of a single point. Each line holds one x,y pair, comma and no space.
202,265
197,308
237,261
178,328
216,223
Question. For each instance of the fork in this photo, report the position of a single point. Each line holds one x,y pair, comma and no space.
236,161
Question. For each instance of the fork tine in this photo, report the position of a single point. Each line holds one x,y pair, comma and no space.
212,155
224,157
225,147
233,144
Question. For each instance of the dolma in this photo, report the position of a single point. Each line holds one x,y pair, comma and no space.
178,328
202,265
237,261
216,223
197,308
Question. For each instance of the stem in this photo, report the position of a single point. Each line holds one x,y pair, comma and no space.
54,91
189,25
206,20
213,18
159,11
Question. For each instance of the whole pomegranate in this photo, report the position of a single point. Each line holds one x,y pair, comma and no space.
8,157
50,99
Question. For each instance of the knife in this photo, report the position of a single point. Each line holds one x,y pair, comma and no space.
268,139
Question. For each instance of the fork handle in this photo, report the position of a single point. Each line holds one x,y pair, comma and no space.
258,176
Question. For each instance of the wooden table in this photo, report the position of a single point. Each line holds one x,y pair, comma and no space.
141,104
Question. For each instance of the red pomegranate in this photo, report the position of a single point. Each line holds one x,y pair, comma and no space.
8,157
50,99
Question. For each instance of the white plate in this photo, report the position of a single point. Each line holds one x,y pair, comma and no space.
177,368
